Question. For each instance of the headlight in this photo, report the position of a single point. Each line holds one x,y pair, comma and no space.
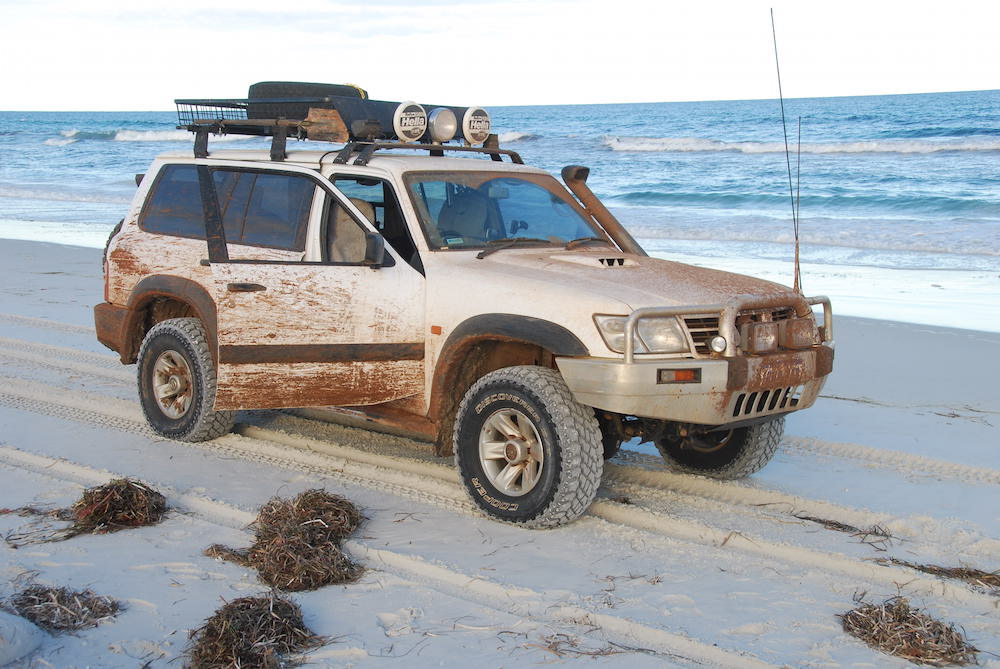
653,335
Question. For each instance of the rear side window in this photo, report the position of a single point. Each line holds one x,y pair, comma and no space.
258,208
174,206
277,212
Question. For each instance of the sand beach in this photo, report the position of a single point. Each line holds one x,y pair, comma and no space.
664,570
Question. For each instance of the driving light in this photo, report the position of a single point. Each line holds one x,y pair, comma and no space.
759,337
443,124
409,121
476,125
797,333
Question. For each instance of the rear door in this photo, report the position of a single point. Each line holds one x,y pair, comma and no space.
302,320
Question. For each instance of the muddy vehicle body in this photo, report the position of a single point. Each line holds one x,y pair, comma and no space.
451,293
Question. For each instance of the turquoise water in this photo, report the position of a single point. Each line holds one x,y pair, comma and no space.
902,182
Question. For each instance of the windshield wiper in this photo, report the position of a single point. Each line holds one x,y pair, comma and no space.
586,240
506,243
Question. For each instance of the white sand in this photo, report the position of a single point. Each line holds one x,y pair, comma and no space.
691,573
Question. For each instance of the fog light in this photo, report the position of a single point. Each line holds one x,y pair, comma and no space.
718,344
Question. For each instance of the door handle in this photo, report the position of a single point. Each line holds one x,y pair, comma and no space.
244,287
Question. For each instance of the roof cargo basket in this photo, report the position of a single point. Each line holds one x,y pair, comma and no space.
339,113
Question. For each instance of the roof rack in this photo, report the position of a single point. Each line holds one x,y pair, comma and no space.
365,150
363,125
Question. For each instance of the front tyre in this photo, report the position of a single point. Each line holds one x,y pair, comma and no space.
177,382
527,452
724,454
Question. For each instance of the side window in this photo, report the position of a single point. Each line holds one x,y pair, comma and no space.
174,205
377,201
345,239
269,210
278,211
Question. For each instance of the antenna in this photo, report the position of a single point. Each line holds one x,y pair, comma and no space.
792,194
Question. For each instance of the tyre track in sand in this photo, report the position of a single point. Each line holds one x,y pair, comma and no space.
473,588
643,479
439,486
108,366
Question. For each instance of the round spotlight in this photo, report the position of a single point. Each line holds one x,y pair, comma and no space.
717,344
443,124
409,121
476,125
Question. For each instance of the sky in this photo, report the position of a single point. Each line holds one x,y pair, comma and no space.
67,55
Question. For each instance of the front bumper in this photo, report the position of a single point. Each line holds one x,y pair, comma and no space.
729,390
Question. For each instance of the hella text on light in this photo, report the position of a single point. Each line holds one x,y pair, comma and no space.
409,121
476,125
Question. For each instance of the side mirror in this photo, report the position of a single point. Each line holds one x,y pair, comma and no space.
374,250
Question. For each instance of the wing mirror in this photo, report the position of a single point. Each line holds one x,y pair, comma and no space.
374,250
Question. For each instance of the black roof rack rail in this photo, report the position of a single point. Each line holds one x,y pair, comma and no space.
365,150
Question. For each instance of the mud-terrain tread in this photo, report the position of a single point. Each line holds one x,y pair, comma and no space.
579,436
208,423
762,440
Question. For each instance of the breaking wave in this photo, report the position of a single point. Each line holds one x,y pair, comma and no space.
125,135
516,136
695,144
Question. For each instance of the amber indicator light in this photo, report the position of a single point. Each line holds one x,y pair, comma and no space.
436,329
678,376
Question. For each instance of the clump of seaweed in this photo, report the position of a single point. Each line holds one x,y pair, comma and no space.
895,628
116,505
61,609
297,542
977,577
250,633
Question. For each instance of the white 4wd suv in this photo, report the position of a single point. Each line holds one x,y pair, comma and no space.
475,303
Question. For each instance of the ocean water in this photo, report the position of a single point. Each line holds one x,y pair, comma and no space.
899,195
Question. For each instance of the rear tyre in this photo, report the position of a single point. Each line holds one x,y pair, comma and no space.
527,452
731,454
177,382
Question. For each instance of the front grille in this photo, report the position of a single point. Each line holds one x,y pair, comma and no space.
763,402
702,329
765,315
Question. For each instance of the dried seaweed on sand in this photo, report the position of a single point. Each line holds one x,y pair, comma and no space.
250,633
977,577
61,609
116,505
895,628
297,542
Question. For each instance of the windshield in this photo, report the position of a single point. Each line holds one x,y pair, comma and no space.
468,210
